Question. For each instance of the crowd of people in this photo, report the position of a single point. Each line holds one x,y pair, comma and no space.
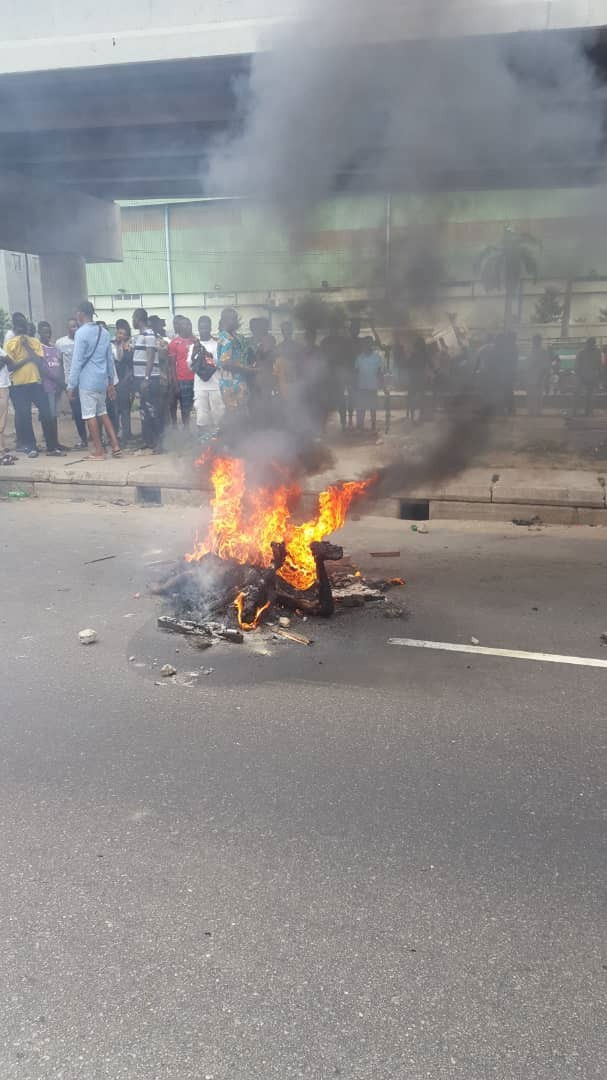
223,378
498,366
219,378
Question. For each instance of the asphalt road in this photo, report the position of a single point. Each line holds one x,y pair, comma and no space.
350,860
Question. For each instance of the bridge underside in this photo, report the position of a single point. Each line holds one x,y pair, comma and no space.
135,131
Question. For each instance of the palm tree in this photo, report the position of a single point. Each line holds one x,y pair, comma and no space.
503,266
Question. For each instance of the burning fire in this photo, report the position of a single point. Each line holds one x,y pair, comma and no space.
239,604
245,522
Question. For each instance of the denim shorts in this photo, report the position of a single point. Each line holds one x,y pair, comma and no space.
93,403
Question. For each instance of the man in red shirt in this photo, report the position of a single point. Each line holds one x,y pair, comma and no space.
179,348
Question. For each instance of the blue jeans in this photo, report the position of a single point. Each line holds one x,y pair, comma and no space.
185,397
23,397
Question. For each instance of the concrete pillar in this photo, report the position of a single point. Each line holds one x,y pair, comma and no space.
63,280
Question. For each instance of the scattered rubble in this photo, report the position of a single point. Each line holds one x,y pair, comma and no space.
215,599
292,635
535,520
188,627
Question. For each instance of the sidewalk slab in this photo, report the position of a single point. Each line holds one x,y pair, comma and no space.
472,485
97,473
549,487
465,511
26,470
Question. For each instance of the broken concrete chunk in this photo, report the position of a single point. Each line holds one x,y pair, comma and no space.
167,670
87,637
284,621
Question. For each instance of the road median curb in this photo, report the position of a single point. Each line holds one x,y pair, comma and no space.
555,496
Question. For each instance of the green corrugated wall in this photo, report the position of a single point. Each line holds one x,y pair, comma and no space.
238,246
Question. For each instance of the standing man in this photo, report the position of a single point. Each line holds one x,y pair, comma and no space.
538,372
206,337
179,348
20,317
92,377
588,371
262,354
288,363
202,360
146,373
24,355
65,346
417,368
123,362
355,347
370,379
336,349
53,381
5,383
233,363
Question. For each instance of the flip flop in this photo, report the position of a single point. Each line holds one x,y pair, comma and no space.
116,453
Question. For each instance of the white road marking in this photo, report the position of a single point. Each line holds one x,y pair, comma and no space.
514,654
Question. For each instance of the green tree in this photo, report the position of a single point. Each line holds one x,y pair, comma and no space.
5,322
549,307
502,267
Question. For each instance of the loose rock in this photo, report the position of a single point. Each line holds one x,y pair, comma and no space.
284,621
167,670
474,641
87,637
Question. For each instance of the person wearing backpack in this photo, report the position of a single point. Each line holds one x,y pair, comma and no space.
208,400
92,375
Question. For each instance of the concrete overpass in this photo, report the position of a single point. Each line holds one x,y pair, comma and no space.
59,34
119,100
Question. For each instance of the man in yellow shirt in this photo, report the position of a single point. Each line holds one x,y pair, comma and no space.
25,356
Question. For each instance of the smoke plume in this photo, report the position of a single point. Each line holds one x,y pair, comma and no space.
334,104
337,102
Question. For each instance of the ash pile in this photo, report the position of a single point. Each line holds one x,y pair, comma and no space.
221,599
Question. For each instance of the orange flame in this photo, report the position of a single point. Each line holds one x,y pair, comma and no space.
239,604
245,523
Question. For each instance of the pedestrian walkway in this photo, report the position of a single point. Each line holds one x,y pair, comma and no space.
485,491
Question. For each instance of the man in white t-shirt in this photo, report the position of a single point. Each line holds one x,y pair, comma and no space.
65,347
208,401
